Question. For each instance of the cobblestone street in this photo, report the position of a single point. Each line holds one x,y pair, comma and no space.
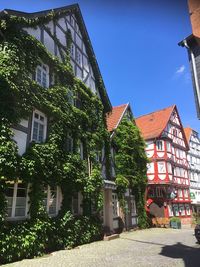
152,247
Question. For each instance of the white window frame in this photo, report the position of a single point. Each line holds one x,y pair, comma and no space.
44,69
40,122
182,209
14,202
49,199
187,208
115,205
170,210
79,57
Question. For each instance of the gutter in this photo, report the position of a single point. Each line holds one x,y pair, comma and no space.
194,69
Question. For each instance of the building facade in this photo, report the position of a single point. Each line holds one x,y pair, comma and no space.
129,219
194,167
192,44
167,192
66,26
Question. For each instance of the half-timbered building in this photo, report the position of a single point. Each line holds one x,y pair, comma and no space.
167,192
129,219
194,167
53,35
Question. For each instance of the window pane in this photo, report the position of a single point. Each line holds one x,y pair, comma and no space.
44,79
41,133
9,198
35,130
20,211
52,201
39,75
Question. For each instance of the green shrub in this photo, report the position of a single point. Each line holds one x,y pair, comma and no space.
175,219
34,238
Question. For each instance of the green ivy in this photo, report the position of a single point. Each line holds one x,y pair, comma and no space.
48,163
131,162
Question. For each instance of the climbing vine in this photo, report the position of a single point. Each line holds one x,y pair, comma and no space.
131,161
72,110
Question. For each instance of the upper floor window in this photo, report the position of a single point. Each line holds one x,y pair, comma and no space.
39,125
159,145
78,57
16,196
175,133
42,75
72,51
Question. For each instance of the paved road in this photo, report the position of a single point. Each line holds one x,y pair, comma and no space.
144,248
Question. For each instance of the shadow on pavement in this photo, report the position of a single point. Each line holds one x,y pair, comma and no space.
190,255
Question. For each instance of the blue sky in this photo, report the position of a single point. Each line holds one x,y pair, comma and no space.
136,45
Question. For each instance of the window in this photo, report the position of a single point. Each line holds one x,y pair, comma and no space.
181,209
42,75
159,145
175,132
159,192
187,207
161,167
115,205
175,209
70,97
16,196
150,167
68,146
168,147
170,210
75,203
180,193
78,57
186,193
80,149
72,51
39,125
51,200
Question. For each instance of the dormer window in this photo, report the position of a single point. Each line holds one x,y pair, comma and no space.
42,75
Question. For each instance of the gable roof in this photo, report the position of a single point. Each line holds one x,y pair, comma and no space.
115,116
188,132
75,9
153,124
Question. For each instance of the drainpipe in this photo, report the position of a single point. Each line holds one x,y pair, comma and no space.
195,76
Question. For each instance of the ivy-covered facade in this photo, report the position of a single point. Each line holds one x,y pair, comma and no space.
53,133
58,177
128,167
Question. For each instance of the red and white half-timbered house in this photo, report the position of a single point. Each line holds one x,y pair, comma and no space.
167,192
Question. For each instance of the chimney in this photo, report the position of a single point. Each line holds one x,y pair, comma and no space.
194,11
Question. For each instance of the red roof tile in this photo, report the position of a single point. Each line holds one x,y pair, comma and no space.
153,124
188,132
113,118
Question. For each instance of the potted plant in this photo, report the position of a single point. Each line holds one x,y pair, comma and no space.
175,223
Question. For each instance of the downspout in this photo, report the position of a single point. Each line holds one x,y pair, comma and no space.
195,75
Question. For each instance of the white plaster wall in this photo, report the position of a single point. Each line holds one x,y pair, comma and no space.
34,32
21,138
24,123
48,42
